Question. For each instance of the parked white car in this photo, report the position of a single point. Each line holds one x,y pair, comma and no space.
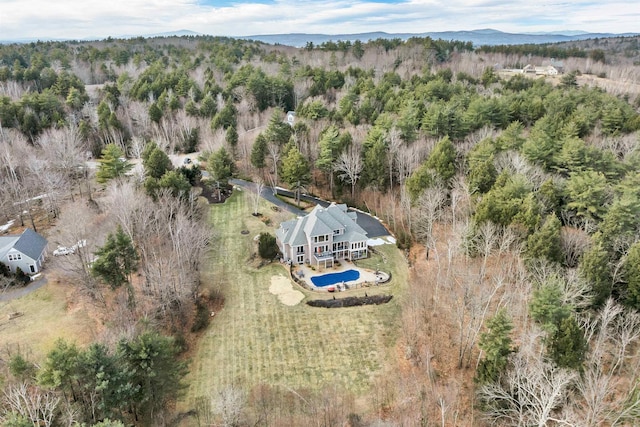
61,250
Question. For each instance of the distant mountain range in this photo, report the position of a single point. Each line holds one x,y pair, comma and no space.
179,33
477,37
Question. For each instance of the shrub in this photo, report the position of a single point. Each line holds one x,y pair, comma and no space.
267,246
4,270
21,277
21,368
403,239
201,320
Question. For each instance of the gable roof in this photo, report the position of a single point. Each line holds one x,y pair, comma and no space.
6,244
29,243
322,221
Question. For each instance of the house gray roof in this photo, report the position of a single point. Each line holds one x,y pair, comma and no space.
317,222
297,236
30,243
322,221
289,232
6,243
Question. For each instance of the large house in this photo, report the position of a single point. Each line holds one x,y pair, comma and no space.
547,70
25,251
322,236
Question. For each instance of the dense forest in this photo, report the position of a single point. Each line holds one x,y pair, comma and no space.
514,199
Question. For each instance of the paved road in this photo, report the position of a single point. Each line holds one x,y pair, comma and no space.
371,225
13,293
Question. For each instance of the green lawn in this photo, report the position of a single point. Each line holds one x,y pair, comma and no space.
256,339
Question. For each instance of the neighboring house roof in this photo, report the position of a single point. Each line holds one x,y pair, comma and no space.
29,243
6,244
557,64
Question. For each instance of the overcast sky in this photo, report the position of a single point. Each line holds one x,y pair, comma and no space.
77,19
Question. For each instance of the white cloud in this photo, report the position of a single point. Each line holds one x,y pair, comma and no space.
92,18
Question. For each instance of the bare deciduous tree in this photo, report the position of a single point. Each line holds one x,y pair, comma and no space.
428,211
486,242
33,403
170,240
257,195
532,393
460,199
408,158
349,165
574,243
605,395
274,154
395,142
229,405
82,228
471,300
136,147
13,149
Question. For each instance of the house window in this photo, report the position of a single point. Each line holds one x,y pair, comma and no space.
32,268
300,259
15,257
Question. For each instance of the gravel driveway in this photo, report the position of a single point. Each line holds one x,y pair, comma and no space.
14,293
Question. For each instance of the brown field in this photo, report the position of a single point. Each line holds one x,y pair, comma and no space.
45,315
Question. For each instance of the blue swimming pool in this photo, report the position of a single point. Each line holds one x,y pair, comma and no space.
333,278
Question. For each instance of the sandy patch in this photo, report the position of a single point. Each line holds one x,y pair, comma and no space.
283,289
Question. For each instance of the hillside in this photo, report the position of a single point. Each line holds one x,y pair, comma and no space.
477,37
512,198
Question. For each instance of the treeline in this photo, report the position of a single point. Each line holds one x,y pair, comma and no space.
542,50
133,382
443,48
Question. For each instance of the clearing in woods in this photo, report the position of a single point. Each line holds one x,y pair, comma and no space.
256,339
34,322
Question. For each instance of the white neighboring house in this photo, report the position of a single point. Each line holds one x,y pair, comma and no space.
322,236
26,251
547,70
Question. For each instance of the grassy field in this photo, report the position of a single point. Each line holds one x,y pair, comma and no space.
256,339
45,316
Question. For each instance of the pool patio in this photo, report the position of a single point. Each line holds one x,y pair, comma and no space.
303,273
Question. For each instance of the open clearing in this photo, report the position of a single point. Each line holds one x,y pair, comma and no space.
257,339
45,316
